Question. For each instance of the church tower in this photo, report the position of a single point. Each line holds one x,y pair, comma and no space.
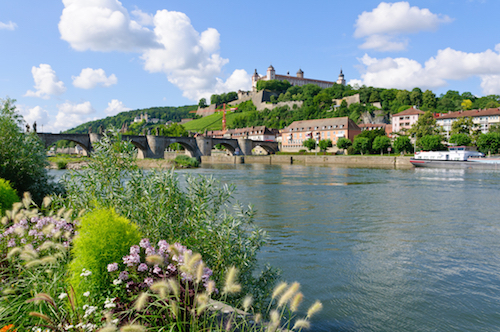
300,73
341,79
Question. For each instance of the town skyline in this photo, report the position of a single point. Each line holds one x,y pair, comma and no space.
70,62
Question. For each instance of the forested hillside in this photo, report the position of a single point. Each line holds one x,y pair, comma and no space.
174,114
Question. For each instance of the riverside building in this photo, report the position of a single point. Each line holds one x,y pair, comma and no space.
296,133
483,118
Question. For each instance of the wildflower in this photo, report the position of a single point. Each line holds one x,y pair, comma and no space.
297,299
156,269
89,310
174,287
132,259
112,267
109,303
279,289
231,286
141,301
62,296
301,324
86,294
288,294
317,306
85,273
135,250
123,275
154,259
247,302
6,328
132,328
117,282
144,243
142,267
149,281
160,287
11,243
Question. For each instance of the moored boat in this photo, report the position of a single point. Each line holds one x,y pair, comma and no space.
455,157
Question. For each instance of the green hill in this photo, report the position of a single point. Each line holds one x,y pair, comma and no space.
174,114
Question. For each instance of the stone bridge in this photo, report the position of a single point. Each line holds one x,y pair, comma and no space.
151,146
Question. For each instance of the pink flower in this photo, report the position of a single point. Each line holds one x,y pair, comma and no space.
135,250
112,267
145,243
156,269
132,260
142,267
11,243
148,281
123,275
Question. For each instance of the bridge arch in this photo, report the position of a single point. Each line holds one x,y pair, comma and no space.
270,148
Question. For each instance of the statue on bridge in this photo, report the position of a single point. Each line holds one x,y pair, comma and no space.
27,127
34,126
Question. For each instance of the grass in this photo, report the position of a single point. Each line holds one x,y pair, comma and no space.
67,158
211,122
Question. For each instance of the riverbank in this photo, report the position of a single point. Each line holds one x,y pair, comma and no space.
340,160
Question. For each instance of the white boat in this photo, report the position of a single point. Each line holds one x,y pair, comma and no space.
455,157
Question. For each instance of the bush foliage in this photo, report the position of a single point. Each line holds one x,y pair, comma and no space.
8,196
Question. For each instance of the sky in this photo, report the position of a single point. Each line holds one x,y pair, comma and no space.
68,62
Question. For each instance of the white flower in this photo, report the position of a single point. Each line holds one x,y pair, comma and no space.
85,273
117,282
89,311
62,296
109,303
86,294
115,321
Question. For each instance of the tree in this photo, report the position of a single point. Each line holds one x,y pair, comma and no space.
343,143
431,143
202,103
425,125
466,104
460,139
464,125
403,97
489,143
371,135
309,143
324,144
361,144
22,156
381,143
428,100
416,97
402,144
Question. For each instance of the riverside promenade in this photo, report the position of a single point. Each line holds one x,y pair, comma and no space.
340,160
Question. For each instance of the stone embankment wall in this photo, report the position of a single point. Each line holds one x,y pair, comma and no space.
361,161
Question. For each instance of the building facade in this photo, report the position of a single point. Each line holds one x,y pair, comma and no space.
404,120
483,118
293,136
298,80
258,133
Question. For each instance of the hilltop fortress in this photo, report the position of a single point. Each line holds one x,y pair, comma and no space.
298,80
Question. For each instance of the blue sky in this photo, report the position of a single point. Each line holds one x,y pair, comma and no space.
68,62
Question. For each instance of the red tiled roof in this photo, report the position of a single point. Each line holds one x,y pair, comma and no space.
471,113
410,111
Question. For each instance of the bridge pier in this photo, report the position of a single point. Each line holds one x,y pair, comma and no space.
205,145
246,146
156,147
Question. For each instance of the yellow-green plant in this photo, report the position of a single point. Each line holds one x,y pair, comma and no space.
103,237
8,196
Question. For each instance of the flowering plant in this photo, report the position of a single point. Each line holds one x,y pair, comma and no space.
149,267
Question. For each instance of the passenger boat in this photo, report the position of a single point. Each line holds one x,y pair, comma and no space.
455,157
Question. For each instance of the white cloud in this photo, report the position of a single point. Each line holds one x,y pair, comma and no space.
448,64
143,18
102,25
382,26
490,84
189,59
8,26
71,115
46,82
89,78
115,106
35,114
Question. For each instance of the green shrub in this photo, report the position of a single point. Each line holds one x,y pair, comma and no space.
62,164
186,161
8,196
103,237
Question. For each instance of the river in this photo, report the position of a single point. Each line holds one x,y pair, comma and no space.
383,249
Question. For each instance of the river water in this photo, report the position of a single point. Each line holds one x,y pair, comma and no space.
383,249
